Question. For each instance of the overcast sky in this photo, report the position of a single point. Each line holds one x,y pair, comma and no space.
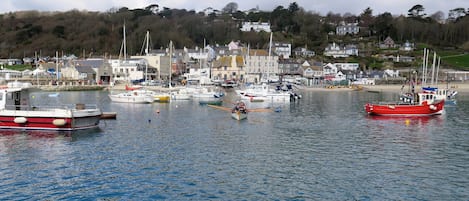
395,7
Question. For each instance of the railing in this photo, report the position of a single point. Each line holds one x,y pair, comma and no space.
78,106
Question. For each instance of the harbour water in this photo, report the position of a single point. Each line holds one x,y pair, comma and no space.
323,147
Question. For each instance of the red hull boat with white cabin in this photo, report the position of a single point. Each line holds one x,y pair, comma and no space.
427,105
17,112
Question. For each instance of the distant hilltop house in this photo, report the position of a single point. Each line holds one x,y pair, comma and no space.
334,50
347,28
389,43
256,26
408,46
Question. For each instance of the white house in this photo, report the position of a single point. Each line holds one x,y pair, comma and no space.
329,69
349,28
334,50
391,73
347,66
256,26
282,49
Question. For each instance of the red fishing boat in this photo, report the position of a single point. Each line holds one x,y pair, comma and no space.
426,104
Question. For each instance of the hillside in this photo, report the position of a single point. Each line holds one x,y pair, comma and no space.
24,34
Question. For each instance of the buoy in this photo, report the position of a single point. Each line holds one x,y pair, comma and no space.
20,120
59,122
407,122
149,120
157,111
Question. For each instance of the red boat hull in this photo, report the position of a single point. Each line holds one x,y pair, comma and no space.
423,109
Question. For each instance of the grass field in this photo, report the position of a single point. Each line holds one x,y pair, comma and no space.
460,62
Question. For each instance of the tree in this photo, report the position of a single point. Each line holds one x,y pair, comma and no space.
59,31
366,17
438,16
230,8
293,7
416,11
456,13
383,25
153,8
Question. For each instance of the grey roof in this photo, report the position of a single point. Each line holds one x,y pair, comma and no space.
85,69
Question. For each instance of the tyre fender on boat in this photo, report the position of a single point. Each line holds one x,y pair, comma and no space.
20,120
432,107
59,122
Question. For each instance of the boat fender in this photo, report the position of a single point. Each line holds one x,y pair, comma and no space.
392,107
432,107
20,120
59,122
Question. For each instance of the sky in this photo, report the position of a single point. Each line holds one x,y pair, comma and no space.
396,7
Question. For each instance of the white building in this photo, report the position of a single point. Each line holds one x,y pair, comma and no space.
349,28
259,66
334,50
256,26
282,49
347,66
127,70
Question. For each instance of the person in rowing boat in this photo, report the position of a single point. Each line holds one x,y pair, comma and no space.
239,106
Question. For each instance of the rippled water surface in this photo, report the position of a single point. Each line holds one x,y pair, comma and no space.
321,148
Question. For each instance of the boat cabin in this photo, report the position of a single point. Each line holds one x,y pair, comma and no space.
14,99
430,98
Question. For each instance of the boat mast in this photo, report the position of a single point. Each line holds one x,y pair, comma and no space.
424,66
437,70
270,53
124,45
57,64
433,68
147,39
170,61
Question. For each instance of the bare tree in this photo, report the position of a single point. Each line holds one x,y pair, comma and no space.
231,7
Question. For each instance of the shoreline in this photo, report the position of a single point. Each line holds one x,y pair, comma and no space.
460,87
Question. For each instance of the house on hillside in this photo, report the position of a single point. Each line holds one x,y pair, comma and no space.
387,43
408,46
336,51
347,66
303,52
256,26
283,50
347,28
